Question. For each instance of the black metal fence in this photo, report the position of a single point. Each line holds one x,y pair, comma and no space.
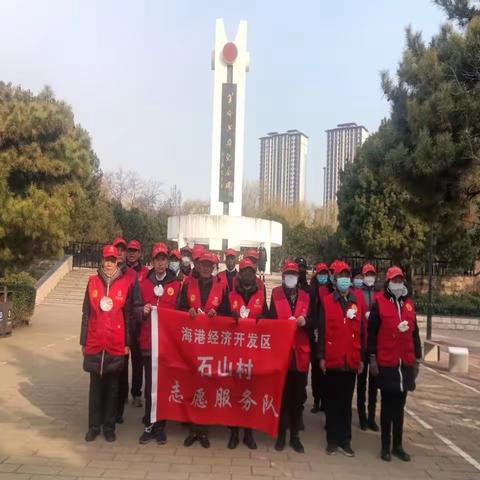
440,268
381,264
85,255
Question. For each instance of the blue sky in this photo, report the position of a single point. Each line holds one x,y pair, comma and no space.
137,73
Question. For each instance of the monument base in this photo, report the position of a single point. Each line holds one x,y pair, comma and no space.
212,229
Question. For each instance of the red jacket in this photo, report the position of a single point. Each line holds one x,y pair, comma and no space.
215,296
255,304
301,346
323,291
106,330
167,300
342,335
358,292
395,347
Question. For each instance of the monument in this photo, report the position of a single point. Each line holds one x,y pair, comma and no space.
225,227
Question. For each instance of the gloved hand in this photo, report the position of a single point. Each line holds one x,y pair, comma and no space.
301,321
351,313
244,312
374,366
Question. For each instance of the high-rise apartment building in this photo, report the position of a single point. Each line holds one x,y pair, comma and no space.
342,144
283,162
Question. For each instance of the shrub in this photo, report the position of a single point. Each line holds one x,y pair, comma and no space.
23,287
456,305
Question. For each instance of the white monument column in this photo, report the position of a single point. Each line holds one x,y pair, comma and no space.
230,63
225,226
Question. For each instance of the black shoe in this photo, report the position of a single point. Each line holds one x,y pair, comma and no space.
400,453
161,436
280,443
204,441
234,440
296,444
119,419
148,435
386,456
322,407
363,424
331,449
249,441
92,434
347,451
315,409
372,425
109,435
190,440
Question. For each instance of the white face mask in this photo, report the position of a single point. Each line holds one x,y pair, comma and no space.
185,261
215,271
398,289
291,281
175,266
369,281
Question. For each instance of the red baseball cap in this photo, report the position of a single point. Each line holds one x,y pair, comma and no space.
176,253
186,248
109,251
252,254
134,245
208,257
247,263
321,267
119,241
368,268
198,251
159,248
393,272
341,267
230,252
332,265
290,266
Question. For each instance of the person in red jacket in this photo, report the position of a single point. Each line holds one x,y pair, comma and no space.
253,256
161,288
174,262
246,300
340,355
104,338
395,353
228,276
134,262
364,290
202,295
186,262
290,302
319,288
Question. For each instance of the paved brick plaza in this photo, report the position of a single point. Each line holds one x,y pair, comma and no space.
43,411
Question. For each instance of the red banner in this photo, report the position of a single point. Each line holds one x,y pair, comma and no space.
211,371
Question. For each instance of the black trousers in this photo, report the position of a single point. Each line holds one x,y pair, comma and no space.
102,404
122,388
147,364
339,387
361,393
137,368
391,418
292,402
317,378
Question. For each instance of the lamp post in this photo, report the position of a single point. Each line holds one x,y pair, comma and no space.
430,282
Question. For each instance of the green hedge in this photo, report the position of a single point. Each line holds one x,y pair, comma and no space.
23,287
456,305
